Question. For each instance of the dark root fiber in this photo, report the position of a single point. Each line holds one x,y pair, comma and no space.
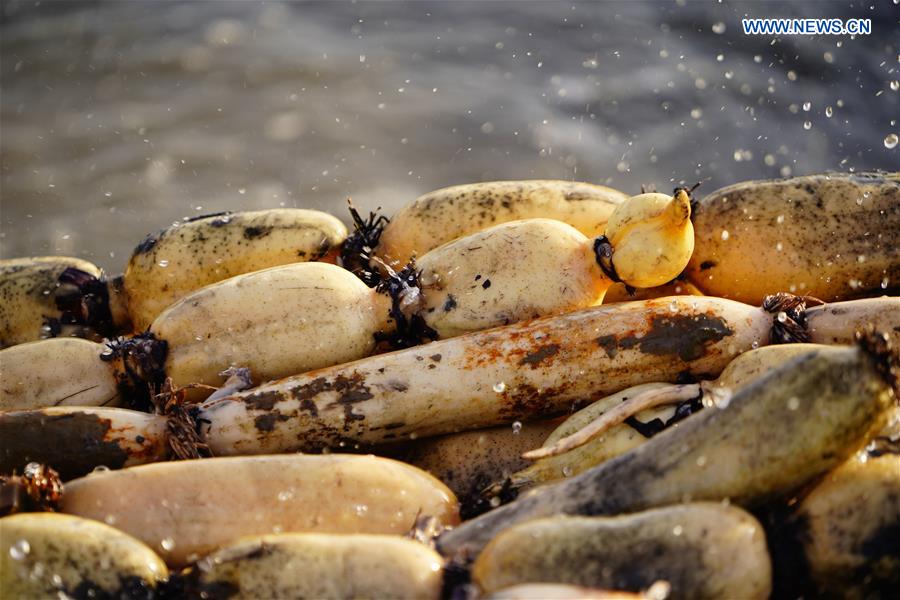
603,253
183,423
142,373
84,300
690,192
789,325
404,291
356,253
37,489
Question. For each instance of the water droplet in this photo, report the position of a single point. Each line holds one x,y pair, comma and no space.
673,306
718,28
884,283
516,427
779,219
769,159
890,141
793,403
19,550
701,461
696,113
100,469
829,57
757,58
567,471
677,530
806,106
495,502
285,495
163,263
895,85
807,125
779,246
725,234
754,345
829,112
720,57
361,509
167,544
499,387
110,519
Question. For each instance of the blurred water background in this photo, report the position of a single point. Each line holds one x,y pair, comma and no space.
117,118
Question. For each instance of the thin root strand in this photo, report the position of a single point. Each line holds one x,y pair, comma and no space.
617,416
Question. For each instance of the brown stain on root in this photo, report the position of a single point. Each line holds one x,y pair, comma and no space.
525,401
609,343
514,344
685,336
351,390
266,422
533,359
317,435
73,444
263,400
